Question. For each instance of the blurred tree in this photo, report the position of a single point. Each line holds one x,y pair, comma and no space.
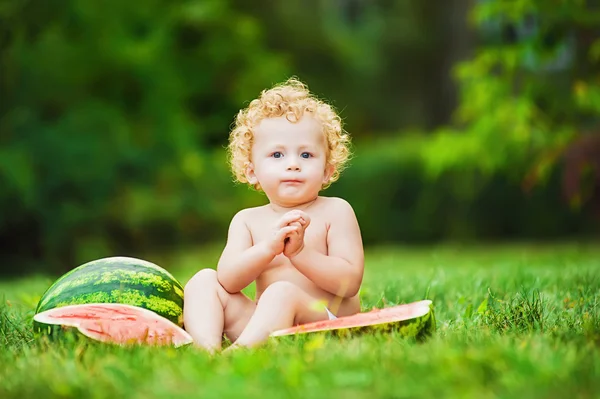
109,114
385,64
530,90
113,116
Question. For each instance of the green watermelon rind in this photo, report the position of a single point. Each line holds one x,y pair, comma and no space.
124,280
416,327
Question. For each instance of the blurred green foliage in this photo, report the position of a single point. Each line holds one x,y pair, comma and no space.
528,91
397,199
114,115
111,115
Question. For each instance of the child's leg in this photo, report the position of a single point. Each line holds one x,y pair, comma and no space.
282,305
209,311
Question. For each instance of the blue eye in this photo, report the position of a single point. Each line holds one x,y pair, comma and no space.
305,155
277,154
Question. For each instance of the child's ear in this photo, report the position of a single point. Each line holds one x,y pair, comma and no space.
329,169
250,175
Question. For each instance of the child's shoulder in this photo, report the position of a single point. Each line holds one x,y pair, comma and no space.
327,205
336,205
334,201
248,214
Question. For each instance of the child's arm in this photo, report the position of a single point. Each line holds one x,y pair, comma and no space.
241,262
340,272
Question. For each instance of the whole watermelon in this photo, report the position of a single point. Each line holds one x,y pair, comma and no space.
122,280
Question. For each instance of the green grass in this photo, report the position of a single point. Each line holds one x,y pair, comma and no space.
518,321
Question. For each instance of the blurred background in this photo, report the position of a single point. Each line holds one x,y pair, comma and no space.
471,120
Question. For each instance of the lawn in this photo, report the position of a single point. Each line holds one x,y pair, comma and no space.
513,321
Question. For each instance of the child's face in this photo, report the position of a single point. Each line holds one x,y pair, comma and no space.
289,160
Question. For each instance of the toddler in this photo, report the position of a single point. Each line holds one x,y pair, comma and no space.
303,250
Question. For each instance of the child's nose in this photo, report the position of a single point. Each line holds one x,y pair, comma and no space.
293,163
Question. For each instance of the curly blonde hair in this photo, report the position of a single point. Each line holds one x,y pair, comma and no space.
292,99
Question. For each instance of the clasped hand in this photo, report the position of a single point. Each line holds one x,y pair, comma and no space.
288,233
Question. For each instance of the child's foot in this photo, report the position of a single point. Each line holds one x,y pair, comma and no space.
211,350
231,348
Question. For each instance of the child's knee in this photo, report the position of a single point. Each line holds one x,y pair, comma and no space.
205,278
280,291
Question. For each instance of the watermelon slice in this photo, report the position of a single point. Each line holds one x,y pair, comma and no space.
117,323
413,319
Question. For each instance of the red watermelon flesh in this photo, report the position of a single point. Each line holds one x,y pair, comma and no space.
117,323
420,314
